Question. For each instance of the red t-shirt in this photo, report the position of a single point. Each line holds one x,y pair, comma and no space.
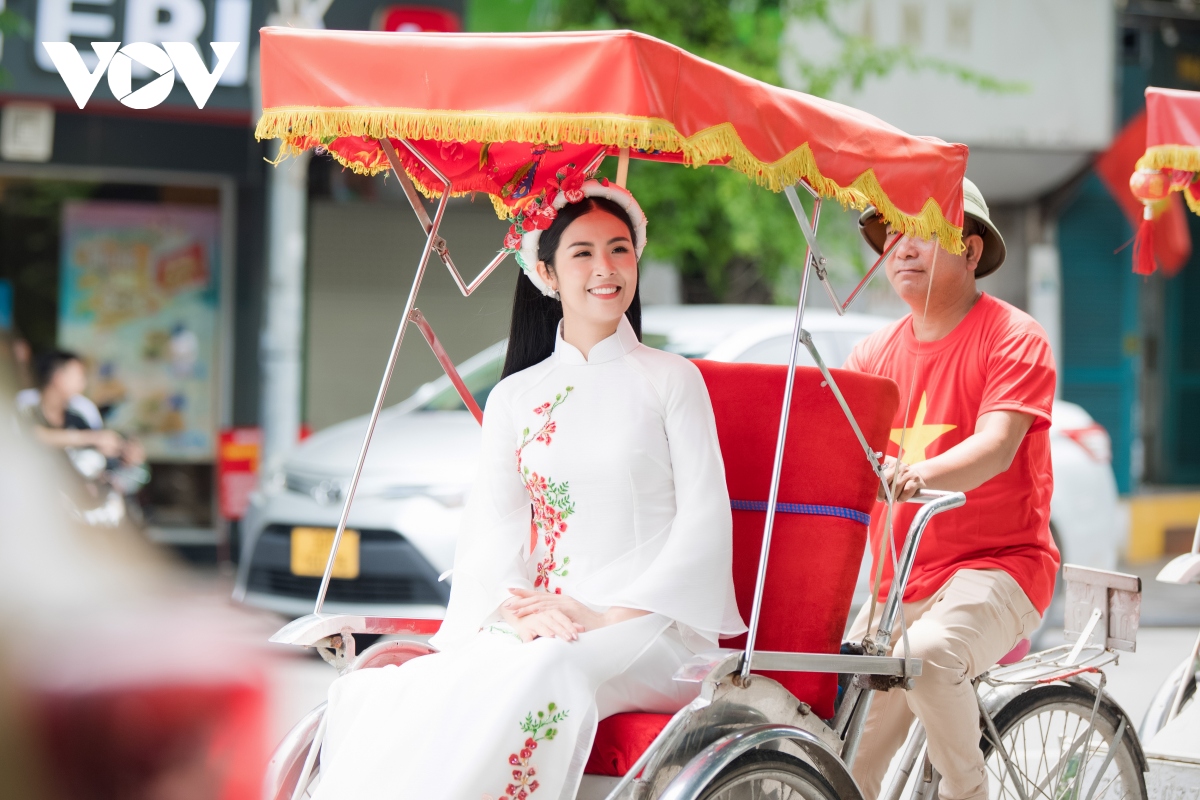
996,359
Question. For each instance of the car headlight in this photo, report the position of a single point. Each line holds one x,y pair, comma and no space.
272,480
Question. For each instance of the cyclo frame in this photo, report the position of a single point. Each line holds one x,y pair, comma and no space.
874,671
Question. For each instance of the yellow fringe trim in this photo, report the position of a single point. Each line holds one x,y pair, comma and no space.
712,144
1171,156
1192,202
1174,156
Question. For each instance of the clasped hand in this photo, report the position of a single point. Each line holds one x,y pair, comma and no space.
533,614
903,479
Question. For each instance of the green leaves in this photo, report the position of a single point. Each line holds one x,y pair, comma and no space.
14,24
558,495
551,716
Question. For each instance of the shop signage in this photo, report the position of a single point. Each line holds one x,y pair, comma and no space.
162,56
415,19
138,300
238,451
172,58
153,21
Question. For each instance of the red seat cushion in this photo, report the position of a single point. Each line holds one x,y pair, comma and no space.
620,741
814,559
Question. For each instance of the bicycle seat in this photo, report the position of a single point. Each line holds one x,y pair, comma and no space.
1016,654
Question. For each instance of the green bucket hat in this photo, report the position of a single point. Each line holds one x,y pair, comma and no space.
874,230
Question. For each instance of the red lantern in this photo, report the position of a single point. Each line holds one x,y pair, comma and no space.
1149,185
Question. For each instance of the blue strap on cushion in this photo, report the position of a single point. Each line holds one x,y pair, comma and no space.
802,508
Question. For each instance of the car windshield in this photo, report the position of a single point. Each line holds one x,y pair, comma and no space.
834,347
479,381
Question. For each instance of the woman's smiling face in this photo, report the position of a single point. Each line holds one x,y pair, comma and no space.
595,269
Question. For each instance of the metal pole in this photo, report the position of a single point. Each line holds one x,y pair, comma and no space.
854,731
282,337
379,398
935,503
777,467
439,352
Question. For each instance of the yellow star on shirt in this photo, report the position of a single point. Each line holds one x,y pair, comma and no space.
913,441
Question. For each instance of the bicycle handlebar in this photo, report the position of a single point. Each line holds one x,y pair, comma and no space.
932,503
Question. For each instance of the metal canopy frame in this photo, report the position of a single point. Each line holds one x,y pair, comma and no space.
814,258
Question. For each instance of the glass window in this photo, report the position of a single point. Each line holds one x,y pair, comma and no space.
834,347
479,381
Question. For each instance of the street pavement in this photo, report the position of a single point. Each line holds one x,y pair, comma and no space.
299,680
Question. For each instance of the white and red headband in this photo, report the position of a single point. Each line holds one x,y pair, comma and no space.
534,217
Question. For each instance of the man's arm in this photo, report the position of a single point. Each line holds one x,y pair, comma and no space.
107,442
972,462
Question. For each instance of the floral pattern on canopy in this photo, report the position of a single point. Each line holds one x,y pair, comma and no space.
503,113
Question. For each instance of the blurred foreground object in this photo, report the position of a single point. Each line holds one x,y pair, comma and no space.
131,682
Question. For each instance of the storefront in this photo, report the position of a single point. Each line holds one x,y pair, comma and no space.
122,231
136,236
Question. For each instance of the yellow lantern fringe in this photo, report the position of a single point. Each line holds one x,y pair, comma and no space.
1174,156
717,143
1171,156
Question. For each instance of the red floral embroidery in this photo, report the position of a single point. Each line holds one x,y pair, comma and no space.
537,212
524,774
569,181
552,503
512,239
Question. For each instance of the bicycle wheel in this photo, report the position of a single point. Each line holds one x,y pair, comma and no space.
1057,754
769,775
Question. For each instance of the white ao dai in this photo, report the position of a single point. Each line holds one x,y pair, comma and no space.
600,478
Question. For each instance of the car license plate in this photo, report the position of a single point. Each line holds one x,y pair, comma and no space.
310,552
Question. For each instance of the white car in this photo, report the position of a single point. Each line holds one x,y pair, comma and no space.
421,464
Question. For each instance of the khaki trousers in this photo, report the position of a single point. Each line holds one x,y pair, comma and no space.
963,629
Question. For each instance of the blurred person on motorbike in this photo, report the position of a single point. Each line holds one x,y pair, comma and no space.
59,420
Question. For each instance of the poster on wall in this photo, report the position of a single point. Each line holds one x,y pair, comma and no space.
138,300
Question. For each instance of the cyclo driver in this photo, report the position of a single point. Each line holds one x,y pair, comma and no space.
979,375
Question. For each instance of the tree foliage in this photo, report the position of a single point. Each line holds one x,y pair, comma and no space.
730,239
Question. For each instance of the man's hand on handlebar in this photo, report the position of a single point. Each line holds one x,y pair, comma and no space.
903,479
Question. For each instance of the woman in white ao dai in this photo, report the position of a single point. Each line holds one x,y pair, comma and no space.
595,555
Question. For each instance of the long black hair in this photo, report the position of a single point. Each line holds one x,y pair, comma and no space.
535,316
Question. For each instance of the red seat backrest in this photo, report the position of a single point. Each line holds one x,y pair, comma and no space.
814,559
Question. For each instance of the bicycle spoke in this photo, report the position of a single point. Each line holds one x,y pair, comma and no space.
1015,757
1060,750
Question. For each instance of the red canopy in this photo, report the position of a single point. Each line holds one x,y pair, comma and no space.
502,113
